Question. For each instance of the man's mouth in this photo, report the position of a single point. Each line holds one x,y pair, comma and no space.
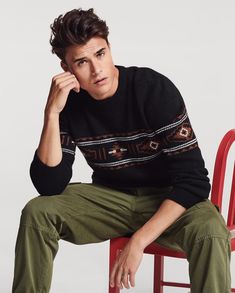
100,80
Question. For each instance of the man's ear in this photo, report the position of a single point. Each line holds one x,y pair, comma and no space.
64,66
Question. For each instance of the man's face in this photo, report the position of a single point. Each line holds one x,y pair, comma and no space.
93,67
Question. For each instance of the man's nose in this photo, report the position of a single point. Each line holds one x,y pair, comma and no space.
95,68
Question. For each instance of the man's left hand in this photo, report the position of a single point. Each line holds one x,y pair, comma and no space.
126,265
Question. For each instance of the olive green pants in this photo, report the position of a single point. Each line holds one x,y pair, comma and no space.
90,213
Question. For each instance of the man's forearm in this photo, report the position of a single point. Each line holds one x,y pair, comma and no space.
166,215
49,149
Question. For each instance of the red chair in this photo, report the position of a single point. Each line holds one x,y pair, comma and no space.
117,244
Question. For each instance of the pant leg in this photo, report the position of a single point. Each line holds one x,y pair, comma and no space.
201,232
83,213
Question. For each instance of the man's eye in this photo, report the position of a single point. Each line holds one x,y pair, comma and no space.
80,63
100,54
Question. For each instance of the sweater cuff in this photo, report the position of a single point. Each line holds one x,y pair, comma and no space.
43,166
184,198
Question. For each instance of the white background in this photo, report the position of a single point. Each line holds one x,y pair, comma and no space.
191,42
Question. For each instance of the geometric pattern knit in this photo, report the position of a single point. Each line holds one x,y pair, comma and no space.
122,150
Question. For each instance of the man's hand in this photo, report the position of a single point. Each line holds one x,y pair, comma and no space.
129,260
126,265
61,85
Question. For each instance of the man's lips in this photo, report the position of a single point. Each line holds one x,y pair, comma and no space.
100,80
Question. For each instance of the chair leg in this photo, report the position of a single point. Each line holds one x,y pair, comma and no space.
158,273
112,257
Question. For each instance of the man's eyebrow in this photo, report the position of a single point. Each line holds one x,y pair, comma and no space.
100,50
82,58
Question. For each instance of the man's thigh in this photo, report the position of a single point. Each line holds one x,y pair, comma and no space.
201,221
82,213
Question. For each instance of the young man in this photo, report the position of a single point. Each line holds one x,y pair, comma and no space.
149,178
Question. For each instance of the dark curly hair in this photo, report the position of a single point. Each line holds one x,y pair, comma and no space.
76,27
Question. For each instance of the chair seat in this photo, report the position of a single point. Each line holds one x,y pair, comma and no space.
160,250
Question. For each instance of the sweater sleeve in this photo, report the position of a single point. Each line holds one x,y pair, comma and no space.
53,180
180,150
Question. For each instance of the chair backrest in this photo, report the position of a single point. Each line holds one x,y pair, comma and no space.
219,175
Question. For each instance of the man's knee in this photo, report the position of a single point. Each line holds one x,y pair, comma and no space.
202,221
38,207
209,224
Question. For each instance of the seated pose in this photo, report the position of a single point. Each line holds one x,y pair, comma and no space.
149,179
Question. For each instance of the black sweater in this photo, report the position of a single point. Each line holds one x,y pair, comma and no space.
141,136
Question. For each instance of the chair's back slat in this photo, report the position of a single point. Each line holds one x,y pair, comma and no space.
231,210
219,175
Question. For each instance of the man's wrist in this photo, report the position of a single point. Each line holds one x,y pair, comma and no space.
51,116
139,241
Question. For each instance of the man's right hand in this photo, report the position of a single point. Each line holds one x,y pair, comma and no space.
61,85
49,149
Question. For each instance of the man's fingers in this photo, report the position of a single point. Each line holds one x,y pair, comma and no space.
65,81
68,84
112,276
132,279
61,75
58,80
119,278
125,280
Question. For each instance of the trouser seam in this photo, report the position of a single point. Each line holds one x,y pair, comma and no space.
52,234
209,237
228,243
